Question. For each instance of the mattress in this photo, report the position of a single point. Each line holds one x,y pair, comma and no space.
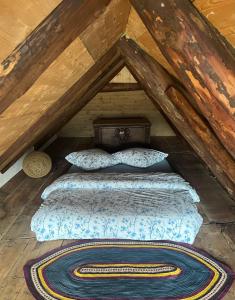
141,206
162,166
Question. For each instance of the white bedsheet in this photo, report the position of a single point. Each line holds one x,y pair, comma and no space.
133,206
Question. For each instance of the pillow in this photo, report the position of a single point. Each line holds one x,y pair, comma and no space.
139,157
91,159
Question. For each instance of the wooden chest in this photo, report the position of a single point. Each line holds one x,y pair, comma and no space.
120,133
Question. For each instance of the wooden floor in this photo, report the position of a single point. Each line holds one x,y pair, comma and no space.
21,198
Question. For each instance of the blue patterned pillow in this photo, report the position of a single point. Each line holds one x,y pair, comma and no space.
139,157
91,159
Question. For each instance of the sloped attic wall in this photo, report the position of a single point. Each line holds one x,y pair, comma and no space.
116,104
124,76
84,53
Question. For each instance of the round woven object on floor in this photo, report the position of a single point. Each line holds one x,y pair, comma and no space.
37,164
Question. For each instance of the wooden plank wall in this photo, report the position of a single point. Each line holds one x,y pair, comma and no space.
121,104
124,76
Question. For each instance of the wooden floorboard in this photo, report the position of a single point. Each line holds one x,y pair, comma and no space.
211,239
216,203
13,183
228,231
22,198
217,206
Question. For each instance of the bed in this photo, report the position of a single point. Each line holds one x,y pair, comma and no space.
119,202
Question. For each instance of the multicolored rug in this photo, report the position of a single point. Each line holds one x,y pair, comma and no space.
125,269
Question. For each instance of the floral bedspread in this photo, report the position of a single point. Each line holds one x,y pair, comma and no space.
133,206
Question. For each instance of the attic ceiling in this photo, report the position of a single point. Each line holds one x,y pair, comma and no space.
86,52
19,20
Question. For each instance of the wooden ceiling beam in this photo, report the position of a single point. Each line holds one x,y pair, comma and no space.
73,100
158,85
97,86
202,58
121,87
28,61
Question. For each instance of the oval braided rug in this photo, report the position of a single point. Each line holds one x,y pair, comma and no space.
126,269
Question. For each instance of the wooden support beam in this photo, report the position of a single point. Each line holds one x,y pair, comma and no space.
97,86
203,59
122,87
160,88
27,62
74,99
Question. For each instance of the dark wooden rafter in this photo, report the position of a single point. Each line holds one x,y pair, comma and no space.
28,61
97,86
122,87
159,86
66,106
203,59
